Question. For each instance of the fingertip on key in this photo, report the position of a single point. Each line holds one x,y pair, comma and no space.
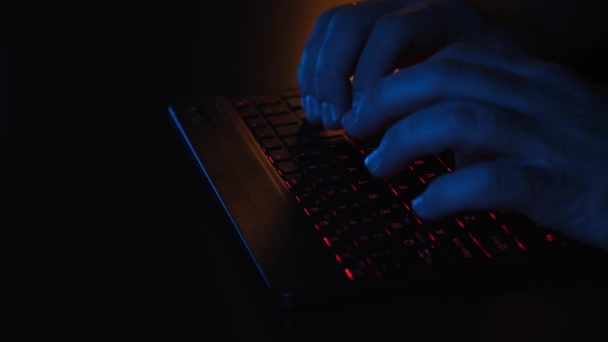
332,117
311,108
417,204
348,121
371,162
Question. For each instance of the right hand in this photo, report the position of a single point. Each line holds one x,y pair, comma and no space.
369,40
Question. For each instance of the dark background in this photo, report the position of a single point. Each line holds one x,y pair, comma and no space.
107,229
99,220
108,232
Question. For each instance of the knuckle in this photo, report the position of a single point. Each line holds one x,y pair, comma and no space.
368,101
412,126
389,25
344,18
392,136
549,69
325,17
491,181
444,70
461,114
451,51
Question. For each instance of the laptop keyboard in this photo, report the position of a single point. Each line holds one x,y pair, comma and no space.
368,223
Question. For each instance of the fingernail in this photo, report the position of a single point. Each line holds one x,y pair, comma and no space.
417,204
371,160
335,116
348,120
315,107
311,108
329,114
356,98
304,103
325,115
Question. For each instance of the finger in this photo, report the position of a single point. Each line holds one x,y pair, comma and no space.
492,185
308,62
418,31
464,159
442,80
510,59
330,56
455,125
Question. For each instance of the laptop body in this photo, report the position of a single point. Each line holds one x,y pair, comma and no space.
293,256
298,260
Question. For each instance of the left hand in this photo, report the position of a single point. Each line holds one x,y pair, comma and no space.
538,134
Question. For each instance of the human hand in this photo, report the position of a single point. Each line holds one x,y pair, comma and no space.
542,132
371,39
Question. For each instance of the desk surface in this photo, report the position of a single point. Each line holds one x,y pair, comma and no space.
111,233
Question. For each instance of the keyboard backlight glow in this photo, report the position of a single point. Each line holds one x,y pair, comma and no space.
349,274
479,245
443,163
327,241
519,244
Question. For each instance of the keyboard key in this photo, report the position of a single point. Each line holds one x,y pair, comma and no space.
301,140
248,112
308,152
279,155
256,122
287,167
263,100
241,101
328,133
463,249
284,131
262,133
283,119
300,114
294,102
274,109
270,143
